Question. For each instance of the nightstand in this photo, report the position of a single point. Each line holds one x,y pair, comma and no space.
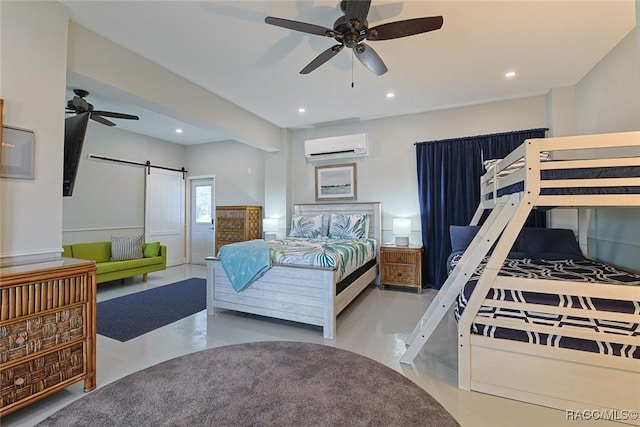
401,266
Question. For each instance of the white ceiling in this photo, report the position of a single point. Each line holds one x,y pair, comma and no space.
226,48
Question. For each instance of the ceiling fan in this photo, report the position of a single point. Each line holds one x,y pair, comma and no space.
79,105
352,29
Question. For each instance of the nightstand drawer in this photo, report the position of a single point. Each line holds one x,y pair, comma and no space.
399,274
399,257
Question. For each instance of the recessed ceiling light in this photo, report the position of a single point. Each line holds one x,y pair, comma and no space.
302,110
178,130
510,74
390,94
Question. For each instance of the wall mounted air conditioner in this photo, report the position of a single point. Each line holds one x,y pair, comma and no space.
337,147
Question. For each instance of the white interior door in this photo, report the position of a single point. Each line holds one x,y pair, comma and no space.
201,220
164,214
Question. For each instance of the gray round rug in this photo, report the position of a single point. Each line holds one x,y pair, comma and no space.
276,383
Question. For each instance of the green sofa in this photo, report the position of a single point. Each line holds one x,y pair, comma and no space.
108,270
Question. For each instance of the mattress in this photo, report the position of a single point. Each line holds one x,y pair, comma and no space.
342,255
575,270
581,173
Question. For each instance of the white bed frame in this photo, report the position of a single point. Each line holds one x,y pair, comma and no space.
559,378
298,293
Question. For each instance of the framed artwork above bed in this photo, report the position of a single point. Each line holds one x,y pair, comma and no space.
336,182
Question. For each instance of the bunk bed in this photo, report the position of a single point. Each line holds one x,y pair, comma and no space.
600,369
301,293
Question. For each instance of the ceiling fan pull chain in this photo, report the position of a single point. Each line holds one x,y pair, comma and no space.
352,85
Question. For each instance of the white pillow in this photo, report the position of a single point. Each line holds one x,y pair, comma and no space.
354,226
309,227
127,247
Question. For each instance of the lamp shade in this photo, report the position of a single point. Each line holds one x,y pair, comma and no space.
402,226
270,225
402,230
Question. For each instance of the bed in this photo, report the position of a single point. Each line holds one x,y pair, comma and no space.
556,329
312,295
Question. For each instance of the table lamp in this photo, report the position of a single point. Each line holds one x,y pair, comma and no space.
402,230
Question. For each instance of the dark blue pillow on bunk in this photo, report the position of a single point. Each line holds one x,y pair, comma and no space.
548,241
461,236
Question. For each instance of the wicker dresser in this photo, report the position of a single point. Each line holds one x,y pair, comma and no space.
47,330
237,224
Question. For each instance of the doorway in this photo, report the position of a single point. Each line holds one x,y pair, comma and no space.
202,219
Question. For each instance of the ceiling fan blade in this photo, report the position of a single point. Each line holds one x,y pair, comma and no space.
370,59
300,26
408,27
101,119
116,115
322,58
356,12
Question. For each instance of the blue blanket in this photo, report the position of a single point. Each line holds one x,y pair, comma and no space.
245,262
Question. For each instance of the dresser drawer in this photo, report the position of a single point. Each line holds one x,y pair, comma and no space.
41,373
231,224
230,236
234,214
32,335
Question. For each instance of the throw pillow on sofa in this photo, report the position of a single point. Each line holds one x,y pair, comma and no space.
151,249
126,247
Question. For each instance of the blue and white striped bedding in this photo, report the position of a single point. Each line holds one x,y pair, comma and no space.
575,270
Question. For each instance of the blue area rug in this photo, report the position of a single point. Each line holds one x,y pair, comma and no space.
133,315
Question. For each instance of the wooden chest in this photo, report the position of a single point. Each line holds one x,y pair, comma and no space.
47,330
237,224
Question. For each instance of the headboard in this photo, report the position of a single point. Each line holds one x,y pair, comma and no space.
374,210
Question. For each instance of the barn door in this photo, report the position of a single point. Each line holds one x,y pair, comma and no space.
164,213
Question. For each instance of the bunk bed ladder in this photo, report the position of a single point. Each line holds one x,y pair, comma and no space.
477,250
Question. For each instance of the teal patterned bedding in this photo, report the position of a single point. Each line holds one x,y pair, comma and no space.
343,256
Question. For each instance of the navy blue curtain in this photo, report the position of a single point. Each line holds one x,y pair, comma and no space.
449,174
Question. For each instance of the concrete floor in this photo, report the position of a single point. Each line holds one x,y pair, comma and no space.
375,325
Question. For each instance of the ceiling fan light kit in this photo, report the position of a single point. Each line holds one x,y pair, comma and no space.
352,29
79,105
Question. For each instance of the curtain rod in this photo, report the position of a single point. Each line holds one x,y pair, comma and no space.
482,136
146,164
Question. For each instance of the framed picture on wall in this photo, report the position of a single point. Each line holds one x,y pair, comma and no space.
336,182
18,153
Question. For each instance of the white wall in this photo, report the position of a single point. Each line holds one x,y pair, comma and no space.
239,170
277,176
108,198
33,74
607,97
608,100
388,175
